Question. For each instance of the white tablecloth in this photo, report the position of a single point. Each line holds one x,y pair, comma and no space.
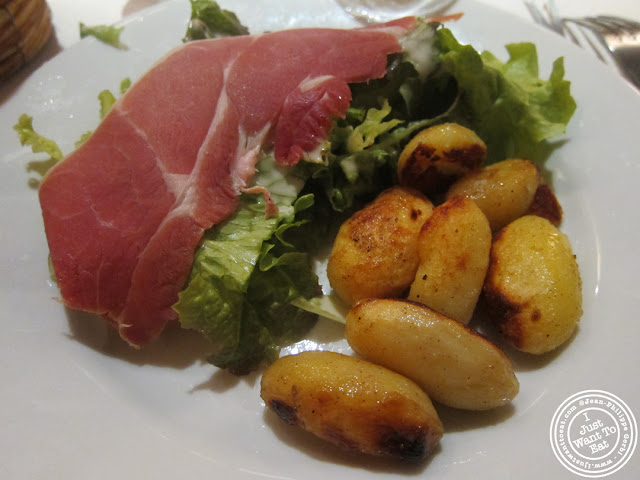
67,14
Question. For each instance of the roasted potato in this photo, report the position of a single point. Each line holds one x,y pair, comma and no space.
375,252
504,191
438,155
533,288
454,246
453,364
353,404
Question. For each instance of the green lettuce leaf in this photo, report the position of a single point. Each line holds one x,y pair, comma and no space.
373,125
208,20
39,144
507,104
125,83
245,276
106,99
105,33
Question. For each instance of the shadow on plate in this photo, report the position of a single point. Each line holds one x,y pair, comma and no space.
320,450
524,362
178,348
456,420
175,348
223,380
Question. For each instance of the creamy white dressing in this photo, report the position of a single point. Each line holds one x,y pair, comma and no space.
418,47
318,154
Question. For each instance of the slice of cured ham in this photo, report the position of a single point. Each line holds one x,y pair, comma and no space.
125,212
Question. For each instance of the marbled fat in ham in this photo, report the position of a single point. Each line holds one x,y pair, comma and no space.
124,213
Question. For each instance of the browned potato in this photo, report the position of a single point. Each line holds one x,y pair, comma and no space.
438,155
375,252
454,246
353,404
546,205
453,364
504,191
533,287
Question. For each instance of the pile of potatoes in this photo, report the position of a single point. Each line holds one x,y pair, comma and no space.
415,265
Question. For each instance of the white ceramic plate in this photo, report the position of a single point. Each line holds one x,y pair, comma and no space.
76,403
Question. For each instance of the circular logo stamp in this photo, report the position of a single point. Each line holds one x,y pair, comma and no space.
593,433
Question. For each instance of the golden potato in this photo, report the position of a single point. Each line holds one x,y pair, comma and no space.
375,252
453,364
438,155
353,404
533,288
504,191
454,246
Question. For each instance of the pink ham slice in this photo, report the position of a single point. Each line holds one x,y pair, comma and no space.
125,212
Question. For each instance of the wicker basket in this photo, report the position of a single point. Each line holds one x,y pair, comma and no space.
25,27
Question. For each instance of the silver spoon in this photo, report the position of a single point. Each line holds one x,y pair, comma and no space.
377,11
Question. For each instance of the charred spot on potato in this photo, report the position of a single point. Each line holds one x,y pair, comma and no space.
438,155
287,413
504,315
415,175
431,180
408,445
414,164
421,152
545,204
470,157
512,331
